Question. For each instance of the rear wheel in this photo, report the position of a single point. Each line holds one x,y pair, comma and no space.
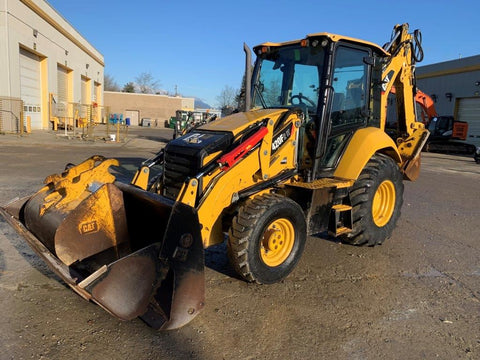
376,198
267,238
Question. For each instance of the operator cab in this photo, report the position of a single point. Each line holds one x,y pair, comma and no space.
328,78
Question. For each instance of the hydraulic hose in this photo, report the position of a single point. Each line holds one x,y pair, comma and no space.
417,53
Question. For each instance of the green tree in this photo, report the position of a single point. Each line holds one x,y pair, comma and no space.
129,87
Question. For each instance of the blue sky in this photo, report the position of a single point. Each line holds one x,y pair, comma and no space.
198,45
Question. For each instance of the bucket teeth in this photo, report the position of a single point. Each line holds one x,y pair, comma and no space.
69,185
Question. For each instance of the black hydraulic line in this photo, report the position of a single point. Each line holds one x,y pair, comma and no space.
417,53
266,184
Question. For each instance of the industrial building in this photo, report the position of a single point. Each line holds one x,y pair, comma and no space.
156,108
454,86
48,71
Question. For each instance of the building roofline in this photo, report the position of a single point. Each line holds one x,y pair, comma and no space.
449,67
32,5
141,94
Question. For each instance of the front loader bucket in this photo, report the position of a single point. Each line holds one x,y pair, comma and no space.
134,253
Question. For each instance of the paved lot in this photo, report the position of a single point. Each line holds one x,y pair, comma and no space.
415,297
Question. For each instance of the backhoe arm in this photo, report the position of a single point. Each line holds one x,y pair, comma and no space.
399,73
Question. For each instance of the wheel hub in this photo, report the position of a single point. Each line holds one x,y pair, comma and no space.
383,203
277,242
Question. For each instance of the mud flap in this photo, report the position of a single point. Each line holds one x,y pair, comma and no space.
146,261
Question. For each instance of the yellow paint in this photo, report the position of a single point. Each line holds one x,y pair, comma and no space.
140,178
28,125
220,195
363,145
411,146
238,122
188,193
71,184
333,37
99,216
221,186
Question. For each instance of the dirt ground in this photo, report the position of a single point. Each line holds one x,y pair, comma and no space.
417,296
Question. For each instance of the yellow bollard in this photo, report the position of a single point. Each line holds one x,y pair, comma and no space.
29,125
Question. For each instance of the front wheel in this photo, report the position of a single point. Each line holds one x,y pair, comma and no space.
376,198
267,238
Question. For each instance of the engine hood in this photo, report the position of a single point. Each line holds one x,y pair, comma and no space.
235,123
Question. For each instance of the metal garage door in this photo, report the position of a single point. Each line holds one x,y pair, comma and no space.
84,108
62,92
62,83
84,82
468,109
133,115
30,87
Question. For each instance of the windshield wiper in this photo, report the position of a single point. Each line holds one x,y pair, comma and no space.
262,99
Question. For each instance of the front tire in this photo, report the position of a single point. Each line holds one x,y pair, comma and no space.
376,198
267,238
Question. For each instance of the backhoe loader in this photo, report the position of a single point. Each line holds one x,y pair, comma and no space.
309,155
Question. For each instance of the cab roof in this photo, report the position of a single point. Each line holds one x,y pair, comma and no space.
332,37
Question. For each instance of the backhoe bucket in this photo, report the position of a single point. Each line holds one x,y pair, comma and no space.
134,253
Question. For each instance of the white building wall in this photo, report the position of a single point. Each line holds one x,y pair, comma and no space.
35,26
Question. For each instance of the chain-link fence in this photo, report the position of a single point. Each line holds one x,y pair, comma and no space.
11,115
87,121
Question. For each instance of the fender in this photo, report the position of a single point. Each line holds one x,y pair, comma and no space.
363,145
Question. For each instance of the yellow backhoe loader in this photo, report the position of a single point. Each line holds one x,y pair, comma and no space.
310,154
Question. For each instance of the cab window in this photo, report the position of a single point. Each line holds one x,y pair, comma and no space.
350,88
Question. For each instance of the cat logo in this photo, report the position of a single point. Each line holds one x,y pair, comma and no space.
194,138
88,227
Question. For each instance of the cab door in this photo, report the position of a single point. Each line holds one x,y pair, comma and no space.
349,101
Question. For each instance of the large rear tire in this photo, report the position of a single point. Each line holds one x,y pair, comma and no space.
376,198
267,238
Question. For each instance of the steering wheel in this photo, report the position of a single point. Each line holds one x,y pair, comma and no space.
301,98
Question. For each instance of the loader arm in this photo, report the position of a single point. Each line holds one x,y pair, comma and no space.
255,164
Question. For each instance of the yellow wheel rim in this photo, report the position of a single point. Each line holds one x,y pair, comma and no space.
277,242
383,203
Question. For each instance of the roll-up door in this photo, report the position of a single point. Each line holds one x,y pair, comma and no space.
30,87
85,97
61,108
468,109
62,84
84,84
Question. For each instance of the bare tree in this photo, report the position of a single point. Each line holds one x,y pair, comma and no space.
146,83
109,83
226,101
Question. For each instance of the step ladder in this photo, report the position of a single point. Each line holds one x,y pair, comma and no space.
341,221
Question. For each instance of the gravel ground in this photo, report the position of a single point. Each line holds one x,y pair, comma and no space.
414,297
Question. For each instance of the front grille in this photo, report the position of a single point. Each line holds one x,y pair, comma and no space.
178,168
184,157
